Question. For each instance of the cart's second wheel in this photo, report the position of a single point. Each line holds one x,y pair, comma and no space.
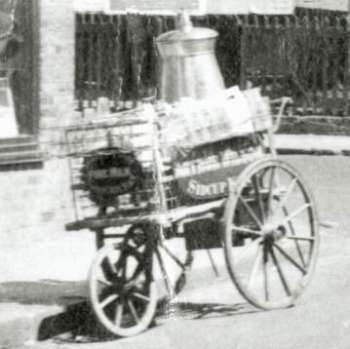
122,291
271,234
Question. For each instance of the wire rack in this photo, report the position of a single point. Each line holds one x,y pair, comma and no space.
133,130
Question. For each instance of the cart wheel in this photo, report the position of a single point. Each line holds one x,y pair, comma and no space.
271,234
122,291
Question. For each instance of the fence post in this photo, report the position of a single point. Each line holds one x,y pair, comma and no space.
244,28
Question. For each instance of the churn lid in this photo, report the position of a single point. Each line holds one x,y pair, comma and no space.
186,31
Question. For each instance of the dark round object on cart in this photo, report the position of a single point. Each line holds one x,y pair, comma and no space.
110,172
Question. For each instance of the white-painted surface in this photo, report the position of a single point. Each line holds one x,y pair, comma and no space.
335,5
194,6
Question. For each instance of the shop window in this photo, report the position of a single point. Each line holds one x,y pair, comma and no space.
18,80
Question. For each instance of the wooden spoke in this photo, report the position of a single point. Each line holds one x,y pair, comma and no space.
246,230
109,300
141,296
296,242
133,311
280,272
102,280
251,212
119,314
305,238
290,259
108,271
296,213
266,280
120,265
125,268
256,185
271,183
287,193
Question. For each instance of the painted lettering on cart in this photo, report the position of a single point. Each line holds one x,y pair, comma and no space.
198,189
112,172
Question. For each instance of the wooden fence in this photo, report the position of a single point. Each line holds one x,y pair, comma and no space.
304,56
116,55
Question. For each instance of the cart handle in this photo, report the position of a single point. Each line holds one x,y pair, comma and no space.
283,101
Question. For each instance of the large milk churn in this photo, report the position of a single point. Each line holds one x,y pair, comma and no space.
188,63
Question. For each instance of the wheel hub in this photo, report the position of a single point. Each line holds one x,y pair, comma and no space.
123,288
273,233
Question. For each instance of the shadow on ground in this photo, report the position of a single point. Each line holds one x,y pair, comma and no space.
199,311
69,297
91,331
76,319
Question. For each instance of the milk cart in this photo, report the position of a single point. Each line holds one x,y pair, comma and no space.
150,187
255,206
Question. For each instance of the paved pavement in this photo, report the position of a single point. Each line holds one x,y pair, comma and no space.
212,317
41,278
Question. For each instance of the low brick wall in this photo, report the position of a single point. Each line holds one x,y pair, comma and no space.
319,125
35,203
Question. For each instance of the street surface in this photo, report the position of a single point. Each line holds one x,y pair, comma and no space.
211,314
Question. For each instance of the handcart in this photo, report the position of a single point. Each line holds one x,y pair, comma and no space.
233,188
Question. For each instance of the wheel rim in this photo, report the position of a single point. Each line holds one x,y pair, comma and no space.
271,234
122,291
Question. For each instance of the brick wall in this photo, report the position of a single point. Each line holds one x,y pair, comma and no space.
38,202
57,46
35,203
49,188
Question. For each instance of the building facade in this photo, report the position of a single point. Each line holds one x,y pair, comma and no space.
40,197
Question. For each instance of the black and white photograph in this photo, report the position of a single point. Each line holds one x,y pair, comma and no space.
174,174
